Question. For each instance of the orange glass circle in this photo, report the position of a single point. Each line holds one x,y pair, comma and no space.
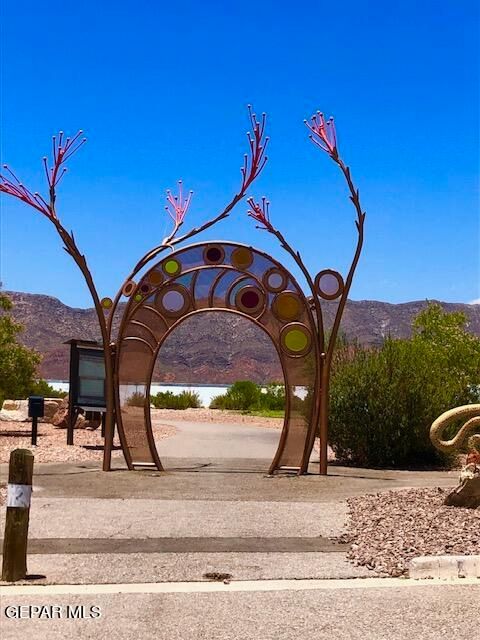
242,258
155,278
129,288
287,306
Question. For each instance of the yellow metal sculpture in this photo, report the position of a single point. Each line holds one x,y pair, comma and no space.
471,414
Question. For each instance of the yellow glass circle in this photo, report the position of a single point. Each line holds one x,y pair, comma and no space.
171,267
137,297
296,340
155,278
106,303
287,306
242,258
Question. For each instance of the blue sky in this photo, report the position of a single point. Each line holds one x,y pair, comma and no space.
161,88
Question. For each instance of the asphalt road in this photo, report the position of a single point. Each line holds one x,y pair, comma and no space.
424,613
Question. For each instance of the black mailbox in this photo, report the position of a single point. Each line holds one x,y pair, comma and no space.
36,406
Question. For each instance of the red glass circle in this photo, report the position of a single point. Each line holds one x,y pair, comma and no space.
250,299
214,254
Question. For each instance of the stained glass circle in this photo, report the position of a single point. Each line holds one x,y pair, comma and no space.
296,339
329,284
287,306
250,299
242,258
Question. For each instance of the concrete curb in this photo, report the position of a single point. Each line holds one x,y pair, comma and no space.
444,567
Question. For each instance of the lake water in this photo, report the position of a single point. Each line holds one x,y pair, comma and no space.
205,392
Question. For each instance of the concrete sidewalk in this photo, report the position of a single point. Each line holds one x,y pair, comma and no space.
214,510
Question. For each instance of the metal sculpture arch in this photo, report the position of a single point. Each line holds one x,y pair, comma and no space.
204,277
218,276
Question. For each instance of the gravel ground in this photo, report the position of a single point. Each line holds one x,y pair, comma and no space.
388,529
52,442
218,416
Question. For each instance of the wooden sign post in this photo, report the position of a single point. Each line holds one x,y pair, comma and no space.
19,492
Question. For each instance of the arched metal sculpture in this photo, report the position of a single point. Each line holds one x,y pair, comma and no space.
241,280
211,277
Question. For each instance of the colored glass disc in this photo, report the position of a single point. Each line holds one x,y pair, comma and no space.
275,280
242,258
250,299
106,303
138,297
129,288
171,267
329,284
287,306
173,301
296,340
214,254
155,278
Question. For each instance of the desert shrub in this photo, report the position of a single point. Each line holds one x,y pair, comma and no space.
169,400
137,399
18,364
244,395
42,388
273,397
384,400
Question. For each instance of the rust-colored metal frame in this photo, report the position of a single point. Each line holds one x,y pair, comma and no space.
133,306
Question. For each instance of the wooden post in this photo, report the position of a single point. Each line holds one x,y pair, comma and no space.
20,473
34,430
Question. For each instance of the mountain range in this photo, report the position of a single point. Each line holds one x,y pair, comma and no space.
218,348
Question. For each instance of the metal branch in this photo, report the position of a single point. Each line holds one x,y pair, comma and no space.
251,169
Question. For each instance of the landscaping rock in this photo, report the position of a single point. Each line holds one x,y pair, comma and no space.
50,408
467,494
60,418
387,530
14,411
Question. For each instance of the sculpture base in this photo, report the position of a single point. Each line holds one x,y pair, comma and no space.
467,494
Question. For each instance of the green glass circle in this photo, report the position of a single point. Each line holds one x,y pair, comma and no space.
137,297
172,267
296,340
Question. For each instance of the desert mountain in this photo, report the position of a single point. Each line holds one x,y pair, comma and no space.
217,348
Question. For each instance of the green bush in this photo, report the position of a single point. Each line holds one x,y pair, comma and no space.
169,400
18,364
273,397
383,402
42,388
244,395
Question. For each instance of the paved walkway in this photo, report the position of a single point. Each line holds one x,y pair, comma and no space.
219,441
216,511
